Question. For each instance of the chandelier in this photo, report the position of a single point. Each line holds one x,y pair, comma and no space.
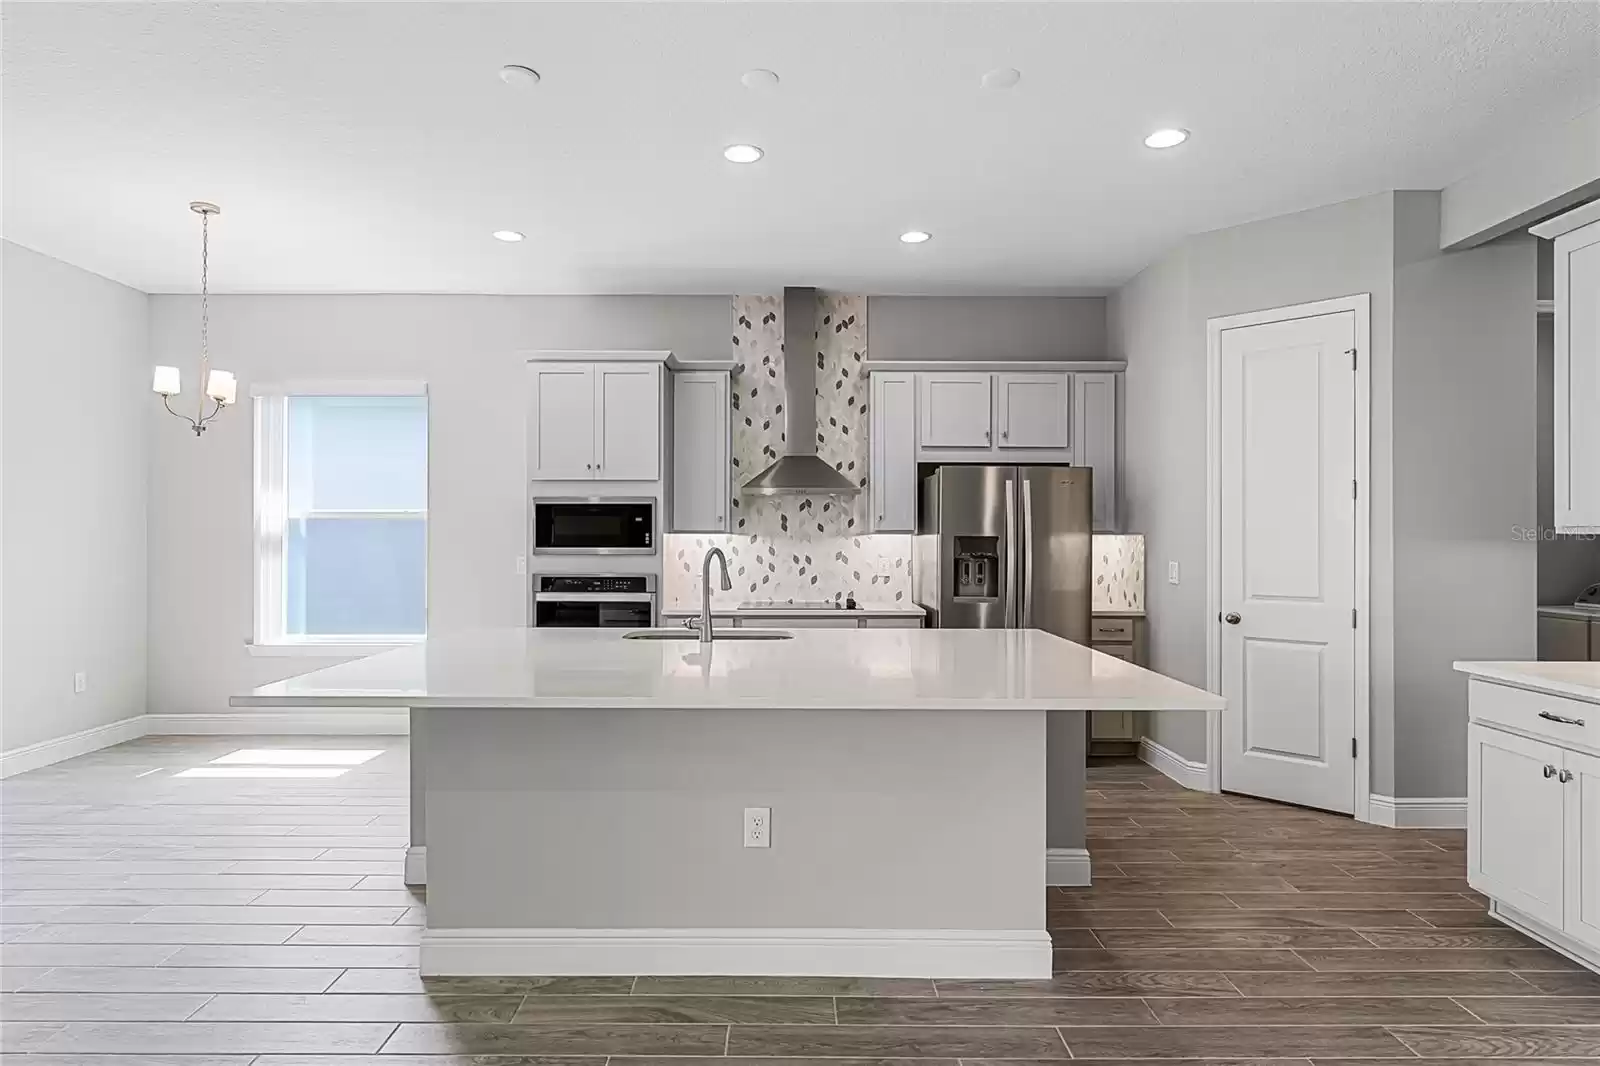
218,386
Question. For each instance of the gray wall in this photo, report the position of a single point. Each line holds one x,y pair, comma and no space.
1453,439
986,327
1465,442
466,348
75,404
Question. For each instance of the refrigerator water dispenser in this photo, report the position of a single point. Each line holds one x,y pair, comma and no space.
977,568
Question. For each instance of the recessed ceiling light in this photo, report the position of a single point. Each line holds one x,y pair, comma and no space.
510,236
915,236
1166,138
1001,78
742,153
517,74
759,79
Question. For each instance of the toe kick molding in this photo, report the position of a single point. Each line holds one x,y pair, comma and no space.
1066,867
972,954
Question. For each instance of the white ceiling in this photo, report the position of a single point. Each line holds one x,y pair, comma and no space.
371,147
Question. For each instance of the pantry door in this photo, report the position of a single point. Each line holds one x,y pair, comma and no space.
1285,569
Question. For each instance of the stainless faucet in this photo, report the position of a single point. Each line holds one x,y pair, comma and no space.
705,590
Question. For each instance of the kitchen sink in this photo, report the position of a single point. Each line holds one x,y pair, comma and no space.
678,633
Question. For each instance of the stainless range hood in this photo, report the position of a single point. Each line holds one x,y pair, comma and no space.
799,472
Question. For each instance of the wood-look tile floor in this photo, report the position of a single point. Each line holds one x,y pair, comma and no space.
259,920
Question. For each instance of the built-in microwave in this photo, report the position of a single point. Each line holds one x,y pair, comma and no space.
586,525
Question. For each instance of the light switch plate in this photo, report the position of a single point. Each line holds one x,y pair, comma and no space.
1172,571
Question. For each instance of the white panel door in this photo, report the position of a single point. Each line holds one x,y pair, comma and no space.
561,430
1094,441
700,457
1035,410
1514,822
1287,580
957,410
628,435
893,446
1582,793
1577,380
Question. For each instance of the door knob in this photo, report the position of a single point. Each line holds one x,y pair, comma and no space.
1549,771
1231,618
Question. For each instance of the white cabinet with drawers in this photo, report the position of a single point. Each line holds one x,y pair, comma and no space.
1533,799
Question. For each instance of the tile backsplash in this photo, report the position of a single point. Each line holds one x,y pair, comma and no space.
1118,572
796,547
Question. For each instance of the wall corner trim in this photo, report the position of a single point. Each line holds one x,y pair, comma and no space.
1186,772
1429,812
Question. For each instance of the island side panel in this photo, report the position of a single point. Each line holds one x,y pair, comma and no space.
1066,772
544,824
416,870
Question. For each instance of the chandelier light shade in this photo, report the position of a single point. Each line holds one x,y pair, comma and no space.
218,386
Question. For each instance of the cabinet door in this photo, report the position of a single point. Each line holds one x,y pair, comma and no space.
1582,789
700,460
561,433
806,621
628,434
893,447
1515,838
1577,380
956,410
1094,441
1034,410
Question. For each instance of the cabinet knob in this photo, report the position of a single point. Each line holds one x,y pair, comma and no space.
1549,771
1006,435
1566,775
987,439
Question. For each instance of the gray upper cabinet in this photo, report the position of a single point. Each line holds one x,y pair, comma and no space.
1094,441
594,421
892,437
1576,237
957,410
1032,410
701,456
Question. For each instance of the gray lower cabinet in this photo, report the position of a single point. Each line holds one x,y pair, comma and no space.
1122,637
808,620
1568,640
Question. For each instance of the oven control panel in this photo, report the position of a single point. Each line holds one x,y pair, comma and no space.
587,583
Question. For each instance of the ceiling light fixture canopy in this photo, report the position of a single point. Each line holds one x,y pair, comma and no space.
519,75
915,236
742,153
1167,138
217,385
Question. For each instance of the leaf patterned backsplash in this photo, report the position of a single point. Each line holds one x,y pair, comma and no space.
1118,572
796,547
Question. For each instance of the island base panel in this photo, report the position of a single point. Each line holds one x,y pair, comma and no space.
903,843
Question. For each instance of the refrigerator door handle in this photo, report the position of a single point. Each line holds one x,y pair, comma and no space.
1027,553
1011,555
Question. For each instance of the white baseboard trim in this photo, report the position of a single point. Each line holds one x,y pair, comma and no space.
1067,867
47,752
974,954
1436,812
416,872
384,721
377,722
1554,939
1185,772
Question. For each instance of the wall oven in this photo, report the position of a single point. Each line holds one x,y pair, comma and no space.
594,526
594,601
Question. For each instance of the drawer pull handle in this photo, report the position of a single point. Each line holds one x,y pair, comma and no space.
1549,771
1547,716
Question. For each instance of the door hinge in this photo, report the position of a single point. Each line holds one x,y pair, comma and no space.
1353,618
1353,747
1352,353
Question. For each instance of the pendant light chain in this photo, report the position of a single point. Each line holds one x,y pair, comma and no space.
205,307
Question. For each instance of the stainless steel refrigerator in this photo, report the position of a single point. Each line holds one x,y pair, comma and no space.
1006,547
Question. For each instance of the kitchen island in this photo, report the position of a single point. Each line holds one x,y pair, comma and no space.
842,802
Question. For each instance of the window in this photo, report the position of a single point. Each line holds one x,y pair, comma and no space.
341,516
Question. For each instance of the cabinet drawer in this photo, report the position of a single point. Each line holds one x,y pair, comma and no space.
1568,722
1111,629
1116,651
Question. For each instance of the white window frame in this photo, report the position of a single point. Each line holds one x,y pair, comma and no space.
270,491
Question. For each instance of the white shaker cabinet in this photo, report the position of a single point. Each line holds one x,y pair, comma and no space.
1034,410
892,438
1577,368
1515,838
1094,441
594,421
1582,779
957,410
701,459
561,428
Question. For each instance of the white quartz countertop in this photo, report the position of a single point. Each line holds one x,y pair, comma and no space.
1578,680
778,610
824,669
